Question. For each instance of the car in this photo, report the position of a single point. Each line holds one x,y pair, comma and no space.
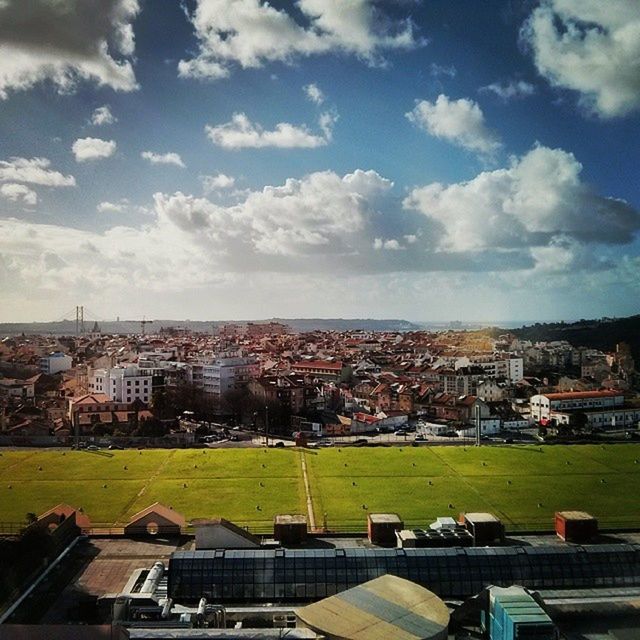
400,432
93,447
360,441
279,444
115,446
420,438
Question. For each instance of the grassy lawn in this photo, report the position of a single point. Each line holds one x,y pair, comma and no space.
248,485
523,485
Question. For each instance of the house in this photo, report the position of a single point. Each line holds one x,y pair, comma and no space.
96,408
156,519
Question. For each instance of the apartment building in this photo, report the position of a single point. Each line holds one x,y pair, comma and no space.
123,383
223,374
55,363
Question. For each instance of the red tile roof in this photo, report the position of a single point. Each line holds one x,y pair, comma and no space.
578,395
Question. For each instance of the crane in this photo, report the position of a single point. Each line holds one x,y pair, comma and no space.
143,323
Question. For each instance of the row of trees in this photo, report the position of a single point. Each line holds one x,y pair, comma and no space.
237,406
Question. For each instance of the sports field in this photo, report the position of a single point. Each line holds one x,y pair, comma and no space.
524,485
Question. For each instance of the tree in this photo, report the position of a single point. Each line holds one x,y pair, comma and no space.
578,421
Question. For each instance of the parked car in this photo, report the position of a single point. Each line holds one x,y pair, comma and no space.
400,432
93,447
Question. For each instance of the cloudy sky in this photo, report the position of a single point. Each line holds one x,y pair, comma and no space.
228,159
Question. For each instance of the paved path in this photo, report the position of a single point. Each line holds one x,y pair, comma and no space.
307,489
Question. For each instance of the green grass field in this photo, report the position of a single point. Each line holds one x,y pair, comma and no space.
523,485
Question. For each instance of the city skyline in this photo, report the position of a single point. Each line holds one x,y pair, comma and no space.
221,159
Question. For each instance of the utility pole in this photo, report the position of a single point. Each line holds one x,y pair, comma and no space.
478,425
266,425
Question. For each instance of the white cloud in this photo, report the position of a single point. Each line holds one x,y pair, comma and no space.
314,93
189,249
320,213
251,33
113,207
592,47
510,89
65,42
389,245
163,158
241,133
102,115
33,171
536,200
460,122
92,149
19,193
217,182
437,70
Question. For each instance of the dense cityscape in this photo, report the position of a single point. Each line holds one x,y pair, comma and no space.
100,389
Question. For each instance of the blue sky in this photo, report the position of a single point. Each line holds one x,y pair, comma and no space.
224,159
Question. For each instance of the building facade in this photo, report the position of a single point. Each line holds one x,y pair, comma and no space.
122,384
55,362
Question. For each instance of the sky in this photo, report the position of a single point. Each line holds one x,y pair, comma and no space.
233,159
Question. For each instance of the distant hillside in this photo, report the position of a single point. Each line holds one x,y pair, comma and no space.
68,327
601,334
347,324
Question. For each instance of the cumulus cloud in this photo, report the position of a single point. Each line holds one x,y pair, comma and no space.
460,122
92,149
510,89
113,207
66,41
345,226
314,93
33,171
102,115
539,198
163,158
19,193
391,244
251,33
217,182
592,47
241,133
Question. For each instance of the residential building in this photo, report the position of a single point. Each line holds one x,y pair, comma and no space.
601,408
92,409
122,383
224,374
55,363
319,368
17,389
279,389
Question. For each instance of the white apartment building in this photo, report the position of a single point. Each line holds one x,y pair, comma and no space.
602,408
223,374
122,384
55,363
511,369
